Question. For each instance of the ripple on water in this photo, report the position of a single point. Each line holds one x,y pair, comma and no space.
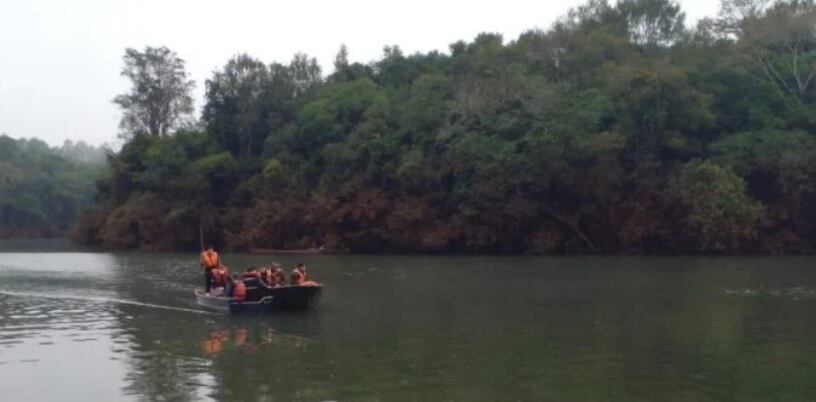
47,322
794,293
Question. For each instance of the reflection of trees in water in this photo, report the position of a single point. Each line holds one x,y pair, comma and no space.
240,338
256,357
182,356
164,362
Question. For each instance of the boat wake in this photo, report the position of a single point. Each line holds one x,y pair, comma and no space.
104,300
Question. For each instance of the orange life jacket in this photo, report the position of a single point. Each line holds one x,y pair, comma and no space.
220,276
239,291
209,259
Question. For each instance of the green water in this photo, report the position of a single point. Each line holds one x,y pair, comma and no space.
104,327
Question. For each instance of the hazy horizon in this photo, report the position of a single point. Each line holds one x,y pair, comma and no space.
61,62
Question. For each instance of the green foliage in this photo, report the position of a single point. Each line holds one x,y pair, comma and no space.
653,22
215,166
720,214
616,130
42,192
772,150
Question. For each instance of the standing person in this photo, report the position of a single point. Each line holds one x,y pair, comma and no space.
209,260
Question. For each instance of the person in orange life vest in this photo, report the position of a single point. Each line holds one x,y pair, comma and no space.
299,276
266,276
251,276
276,276
272,275
237,288
209,260
263,274
220,276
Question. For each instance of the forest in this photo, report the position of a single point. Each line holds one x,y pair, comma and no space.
618,129
43,190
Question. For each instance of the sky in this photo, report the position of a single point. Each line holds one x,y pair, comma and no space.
60,61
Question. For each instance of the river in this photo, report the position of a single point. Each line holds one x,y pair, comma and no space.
106,327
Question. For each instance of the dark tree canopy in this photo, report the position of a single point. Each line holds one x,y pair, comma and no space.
653,22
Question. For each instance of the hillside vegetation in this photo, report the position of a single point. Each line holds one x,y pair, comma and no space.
43,190
618,129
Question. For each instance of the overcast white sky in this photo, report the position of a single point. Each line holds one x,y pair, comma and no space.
60,60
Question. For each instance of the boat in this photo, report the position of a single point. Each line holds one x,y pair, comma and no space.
303,251
264,299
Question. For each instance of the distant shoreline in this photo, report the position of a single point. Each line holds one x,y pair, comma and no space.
67,245
38,244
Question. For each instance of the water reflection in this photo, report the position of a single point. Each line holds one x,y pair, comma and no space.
246,341
113,327
176,351
44,340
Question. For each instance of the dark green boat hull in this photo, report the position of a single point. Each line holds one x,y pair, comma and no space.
259,299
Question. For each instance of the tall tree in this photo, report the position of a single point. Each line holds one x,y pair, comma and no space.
305,72
782,41
733,13
159,98
653,22
341,61
236,110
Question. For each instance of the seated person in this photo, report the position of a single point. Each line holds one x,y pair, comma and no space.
252,276
237,288
277,276
298,276
263,274
219,277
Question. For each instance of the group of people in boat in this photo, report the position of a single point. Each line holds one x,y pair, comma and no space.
217,276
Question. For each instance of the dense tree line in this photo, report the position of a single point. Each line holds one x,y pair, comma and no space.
618,129
43,190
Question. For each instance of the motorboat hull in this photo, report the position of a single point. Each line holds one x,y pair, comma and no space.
260,299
